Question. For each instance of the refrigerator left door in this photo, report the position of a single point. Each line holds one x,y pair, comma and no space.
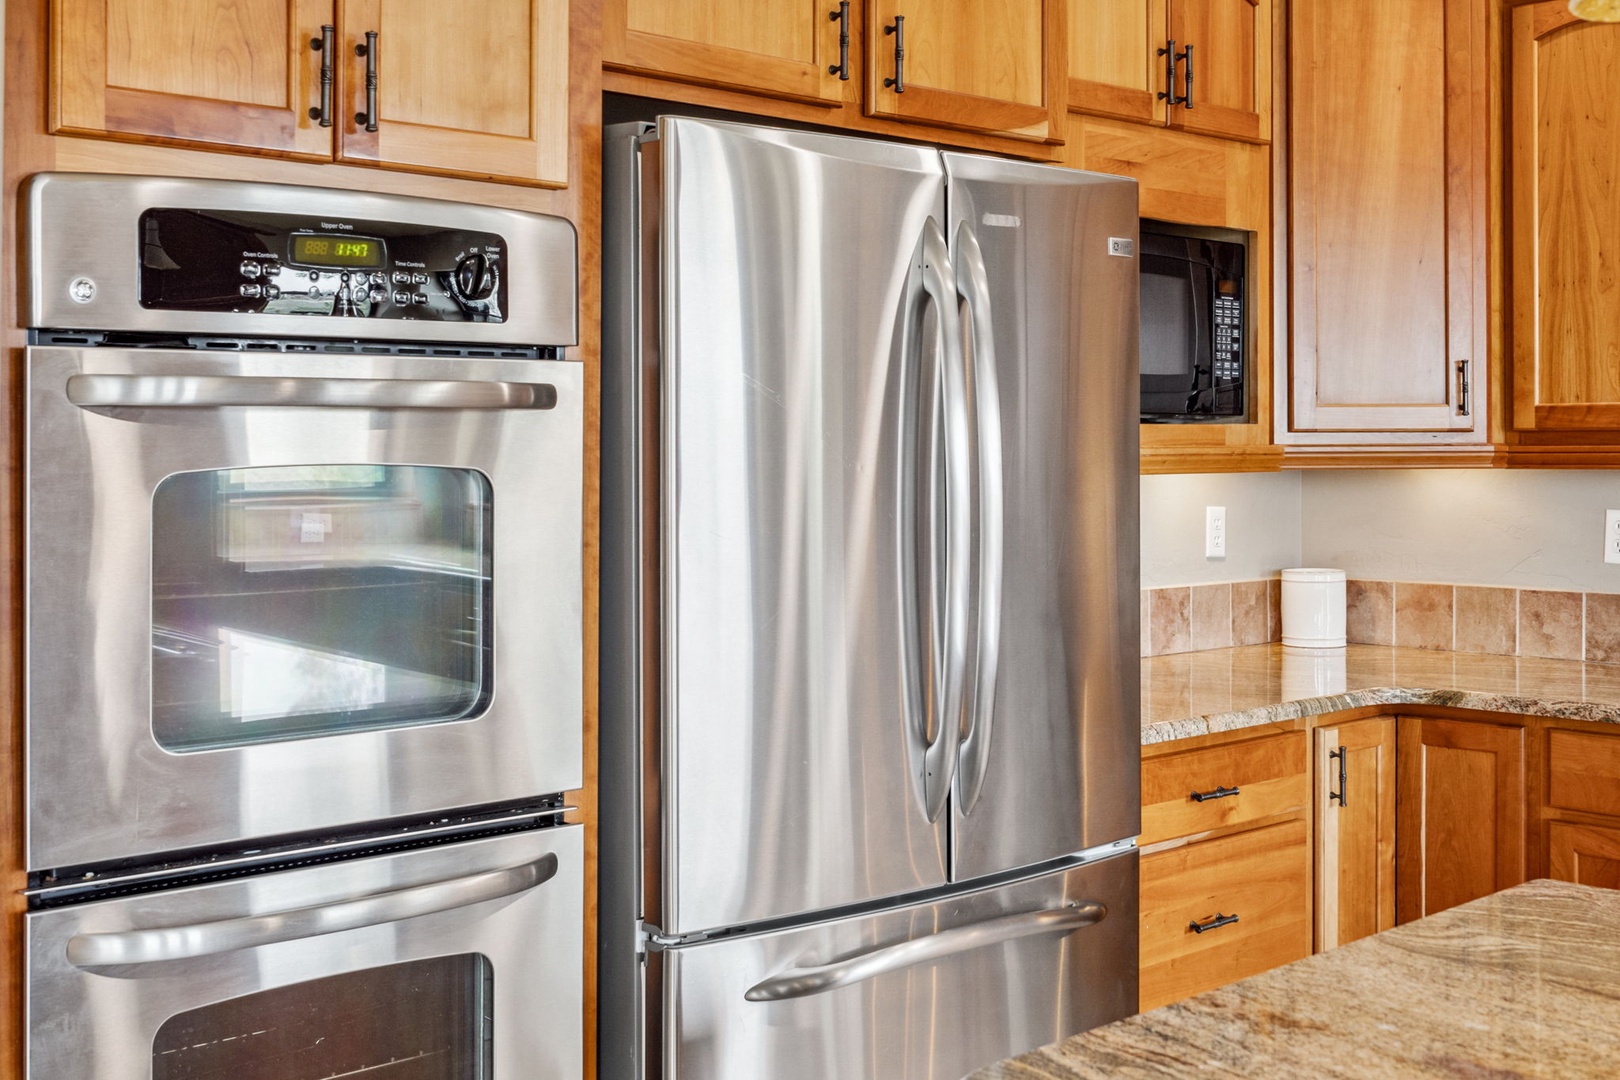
804,329
930,992
462,959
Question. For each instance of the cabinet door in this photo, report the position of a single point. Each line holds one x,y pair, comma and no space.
220,74
1461,830
1565,229
483,96
1114,64
1355,830
1226,67
786,49
1583,854
991,66
1387,192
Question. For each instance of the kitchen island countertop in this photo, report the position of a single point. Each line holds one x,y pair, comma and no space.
1523,983
1198,693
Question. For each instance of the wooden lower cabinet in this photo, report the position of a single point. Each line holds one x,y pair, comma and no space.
1355,830
1584,854
1260,877
1463,802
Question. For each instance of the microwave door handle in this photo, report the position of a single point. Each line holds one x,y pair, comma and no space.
973,284
133,947
801,982
253,391
955,546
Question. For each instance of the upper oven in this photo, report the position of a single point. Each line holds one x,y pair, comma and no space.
304,482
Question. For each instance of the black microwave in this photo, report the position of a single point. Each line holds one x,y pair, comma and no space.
1195,323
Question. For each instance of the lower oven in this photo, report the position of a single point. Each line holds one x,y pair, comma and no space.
460,961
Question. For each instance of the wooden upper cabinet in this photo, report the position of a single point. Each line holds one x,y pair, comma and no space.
1461,833
1225,67
787,48
208,73
1387,193
995,67
1120,63
1115,65
1565,221
483,96
1355,830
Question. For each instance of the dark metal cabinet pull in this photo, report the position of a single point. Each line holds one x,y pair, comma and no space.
368,119
1342,795
1170,58
1186,86
326,45
1218,793
1463,387
899,32
841,17
1214,922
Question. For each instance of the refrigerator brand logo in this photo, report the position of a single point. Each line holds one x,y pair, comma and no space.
1005,221
1119,245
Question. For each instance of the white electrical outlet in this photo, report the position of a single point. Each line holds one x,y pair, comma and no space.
1611,536
1214,532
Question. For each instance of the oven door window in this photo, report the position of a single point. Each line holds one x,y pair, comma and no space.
422,1020
293,602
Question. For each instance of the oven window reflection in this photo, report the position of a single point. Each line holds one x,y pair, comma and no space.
421,1020
293,602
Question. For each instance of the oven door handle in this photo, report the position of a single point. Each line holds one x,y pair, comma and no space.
221,391
230,935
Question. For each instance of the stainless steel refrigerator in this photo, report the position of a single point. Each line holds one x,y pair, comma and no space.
869,695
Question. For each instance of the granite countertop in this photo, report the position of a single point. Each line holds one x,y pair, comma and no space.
1523,983
1196,693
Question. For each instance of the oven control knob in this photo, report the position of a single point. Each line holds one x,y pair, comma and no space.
474,277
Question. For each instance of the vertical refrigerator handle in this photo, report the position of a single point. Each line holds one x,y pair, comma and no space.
947,542
973,286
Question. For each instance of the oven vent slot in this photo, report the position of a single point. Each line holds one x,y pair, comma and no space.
246,344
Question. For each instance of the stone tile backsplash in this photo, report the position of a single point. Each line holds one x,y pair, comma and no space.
1485,620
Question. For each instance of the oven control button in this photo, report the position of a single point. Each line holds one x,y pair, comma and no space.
250,268
401,278
418,279
314,276
401,297
252,292
378,277
314,293
419,298
272,269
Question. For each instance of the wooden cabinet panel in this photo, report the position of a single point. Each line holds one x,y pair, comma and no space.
993,66
1268,775
1114,66
1388,197
1355,830
208,73
782,49
1583,772
1462,813
1584,854
481,97
1231,63
1261,876
1565,221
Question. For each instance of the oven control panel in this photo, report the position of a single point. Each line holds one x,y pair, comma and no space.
288,264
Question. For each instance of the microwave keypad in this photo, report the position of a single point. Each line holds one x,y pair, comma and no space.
1228,338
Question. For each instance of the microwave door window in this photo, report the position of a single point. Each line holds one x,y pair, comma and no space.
1169,328
294,602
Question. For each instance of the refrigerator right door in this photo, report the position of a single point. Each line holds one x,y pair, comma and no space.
1045,261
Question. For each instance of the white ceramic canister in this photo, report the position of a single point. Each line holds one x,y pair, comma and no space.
1313,608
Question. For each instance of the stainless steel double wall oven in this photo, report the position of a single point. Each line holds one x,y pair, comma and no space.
304,616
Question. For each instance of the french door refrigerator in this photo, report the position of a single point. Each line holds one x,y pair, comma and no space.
870,731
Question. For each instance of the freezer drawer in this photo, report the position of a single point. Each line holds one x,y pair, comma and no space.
928,992
458,960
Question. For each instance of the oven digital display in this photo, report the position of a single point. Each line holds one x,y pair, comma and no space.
313,249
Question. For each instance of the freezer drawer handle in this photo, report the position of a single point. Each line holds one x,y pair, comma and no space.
1218,793
806,981
222,391
231,935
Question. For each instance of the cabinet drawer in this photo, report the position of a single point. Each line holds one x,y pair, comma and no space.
1262,877
1583,772
1268,773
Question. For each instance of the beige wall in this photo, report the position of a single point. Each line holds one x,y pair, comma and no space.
1528,529
1263,524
